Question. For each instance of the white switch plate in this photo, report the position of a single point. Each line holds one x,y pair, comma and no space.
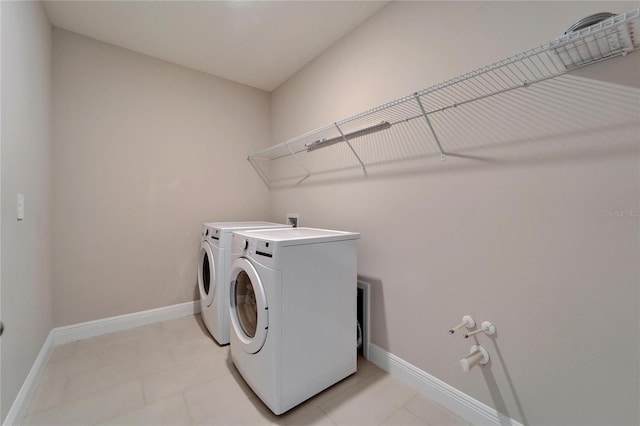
293,219
20,207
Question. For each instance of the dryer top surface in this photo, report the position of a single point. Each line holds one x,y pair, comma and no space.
296,236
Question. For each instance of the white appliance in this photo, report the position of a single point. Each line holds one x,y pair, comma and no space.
293,311
213,272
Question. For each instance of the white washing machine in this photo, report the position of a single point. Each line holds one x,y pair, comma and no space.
213,270
293,311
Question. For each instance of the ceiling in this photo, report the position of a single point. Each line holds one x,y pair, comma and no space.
257,43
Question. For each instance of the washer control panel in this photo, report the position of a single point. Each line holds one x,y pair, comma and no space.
211,234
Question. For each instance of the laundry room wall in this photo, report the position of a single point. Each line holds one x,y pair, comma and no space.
533,225
26,169
144,152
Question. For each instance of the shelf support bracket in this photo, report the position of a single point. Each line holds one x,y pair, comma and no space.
344,138
301,164
258,170
443,155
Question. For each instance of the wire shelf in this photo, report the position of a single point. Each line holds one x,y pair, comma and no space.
612,37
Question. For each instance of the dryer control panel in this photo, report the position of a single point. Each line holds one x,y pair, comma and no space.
260,250
242,245
264,248
251,246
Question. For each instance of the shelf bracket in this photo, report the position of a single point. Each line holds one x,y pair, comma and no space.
258,170
344,138
301,164
443,155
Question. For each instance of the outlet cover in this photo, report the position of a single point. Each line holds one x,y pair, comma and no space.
293,219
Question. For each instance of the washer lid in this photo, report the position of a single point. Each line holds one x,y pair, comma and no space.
243,225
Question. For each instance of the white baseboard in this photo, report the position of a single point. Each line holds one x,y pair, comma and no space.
20,405
70,333
458,402
88,329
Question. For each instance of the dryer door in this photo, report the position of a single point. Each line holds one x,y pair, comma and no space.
206,274
248,311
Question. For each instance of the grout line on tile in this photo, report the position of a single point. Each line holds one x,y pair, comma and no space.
394,413
83,396
64,389
29,412
184,399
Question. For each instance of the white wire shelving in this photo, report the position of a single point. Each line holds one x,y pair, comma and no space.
610,38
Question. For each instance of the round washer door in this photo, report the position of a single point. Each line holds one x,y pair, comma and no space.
248,310
206,274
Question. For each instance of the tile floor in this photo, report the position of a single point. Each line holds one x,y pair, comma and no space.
173,373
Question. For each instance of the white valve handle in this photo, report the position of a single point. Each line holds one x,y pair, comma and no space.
477,355
486,327
467,321
473,333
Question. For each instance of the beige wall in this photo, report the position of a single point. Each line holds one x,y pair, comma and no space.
26,168
514,230
144,153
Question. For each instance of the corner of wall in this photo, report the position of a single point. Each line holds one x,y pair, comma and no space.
27,289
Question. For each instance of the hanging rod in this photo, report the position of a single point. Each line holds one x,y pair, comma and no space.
610,38
324,142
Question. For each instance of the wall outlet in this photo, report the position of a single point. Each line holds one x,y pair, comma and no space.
293,219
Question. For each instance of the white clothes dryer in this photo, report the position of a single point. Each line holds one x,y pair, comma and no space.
293,311
213,269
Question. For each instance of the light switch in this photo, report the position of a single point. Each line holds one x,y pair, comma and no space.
20,210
